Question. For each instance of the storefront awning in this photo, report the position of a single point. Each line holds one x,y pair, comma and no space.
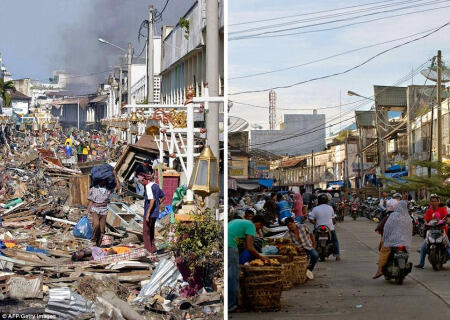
266,182
248,186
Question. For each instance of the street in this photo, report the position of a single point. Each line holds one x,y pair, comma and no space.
346,290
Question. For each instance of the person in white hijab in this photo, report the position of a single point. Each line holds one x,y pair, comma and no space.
397,232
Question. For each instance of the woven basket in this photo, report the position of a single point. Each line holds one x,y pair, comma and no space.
286,275
281,259
300,267
260,271
264,296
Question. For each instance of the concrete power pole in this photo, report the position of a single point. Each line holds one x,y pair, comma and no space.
150,72
129,53
212,77
439,110
120,90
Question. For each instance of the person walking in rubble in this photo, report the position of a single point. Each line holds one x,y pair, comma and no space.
154,197
99,197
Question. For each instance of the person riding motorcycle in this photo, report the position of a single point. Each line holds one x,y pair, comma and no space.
396,232
323,214
442,214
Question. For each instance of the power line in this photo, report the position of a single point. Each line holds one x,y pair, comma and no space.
345,71
295,109
328,57
259,28
334,28
319,126
306,14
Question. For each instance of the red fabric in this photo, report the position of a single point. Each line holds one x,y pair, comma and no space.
298,205
442,214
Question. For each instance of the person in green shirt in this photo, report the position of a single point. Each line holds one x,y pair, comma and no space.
240,229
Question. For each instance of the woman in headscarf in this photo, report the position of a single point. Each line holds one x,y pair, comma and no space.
397,232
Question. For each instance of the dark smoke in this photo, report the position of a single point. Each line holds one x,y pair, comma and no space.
116,21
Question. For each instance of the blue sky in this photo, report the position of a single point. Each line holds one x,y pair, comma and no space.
39,36
260,55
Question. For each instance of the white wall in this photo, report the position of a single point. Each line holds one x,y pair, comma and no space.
20,107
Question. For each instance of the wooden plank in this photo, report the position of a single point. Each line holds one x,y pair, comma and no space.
79,189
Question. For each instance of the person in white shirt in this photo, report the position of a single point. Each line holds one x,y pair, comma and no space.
323,215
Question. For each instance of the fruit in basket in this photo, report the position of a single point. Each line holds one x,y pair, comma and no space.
288,250
257,263
273,262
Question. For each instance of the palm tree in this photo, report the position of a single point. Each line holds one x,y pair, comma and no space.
5,87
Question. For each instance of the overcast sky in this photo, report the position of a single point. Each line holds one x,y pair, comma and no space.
39,36
260,55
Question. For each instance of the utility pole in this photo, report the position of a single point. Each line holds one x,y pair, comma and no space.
361,159
379,145
129,53
439,110
346,160
150,72
212,77
312,168
120,90
78,114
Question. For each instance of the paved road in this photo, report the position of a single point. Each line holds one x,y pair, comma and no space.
346,290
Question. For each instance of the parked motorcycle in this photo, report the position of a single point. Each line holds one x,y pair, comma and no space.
436,247
398,266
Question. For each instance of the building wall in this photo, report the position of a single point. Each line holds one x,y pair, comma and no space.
23,86
68,115
238,167
294,124
20,106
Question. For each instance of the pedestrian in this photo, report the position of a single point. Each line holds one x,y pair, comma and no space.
397,232
283,209
270,207
240,230
298,207
441,213
80,151
301,236
323,215
85,151
143,168
99,197
68,149
154,197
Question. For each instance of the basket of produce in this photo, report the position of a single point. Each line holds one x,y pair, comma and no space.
286,275
264,296
280,258
300,266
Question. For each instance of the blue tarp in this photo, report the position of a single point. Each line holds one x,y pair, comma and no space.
339,183
266,183
397,175
396,168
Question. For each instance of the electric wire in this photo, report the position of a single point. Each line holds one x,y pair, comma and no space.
345,71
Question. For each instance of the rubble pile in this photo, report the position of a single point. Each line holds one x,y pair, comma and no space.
39,191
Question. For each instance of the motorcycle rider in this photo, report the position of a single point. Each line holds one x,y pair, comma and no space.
397,232
270,206
383,200
442,214
323,214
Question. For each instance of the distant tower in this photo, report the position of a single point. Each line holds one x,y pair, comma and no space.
272,109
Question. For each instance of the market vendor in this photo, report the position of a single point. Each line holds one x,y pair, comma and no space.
240,229
301,236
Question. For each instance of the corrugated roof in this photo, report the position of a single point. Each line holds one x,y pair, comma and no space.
387,96
102,98
83,102
17,95
291,163
365,118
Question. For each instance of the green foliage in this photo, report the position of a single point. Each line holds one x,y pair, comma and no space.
184,24
344,134
5,87
435,183
200,243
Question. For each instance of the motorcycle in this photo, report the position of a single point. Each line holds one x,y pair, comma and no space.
354,210
339,209
436,247
324,242
397,267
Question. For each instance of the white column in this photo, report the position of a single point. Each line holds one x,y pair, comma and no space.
190,148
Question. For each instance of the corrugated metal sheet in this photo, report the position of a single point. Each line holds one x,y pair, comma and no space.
387,96
165,274
66,304
365,118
